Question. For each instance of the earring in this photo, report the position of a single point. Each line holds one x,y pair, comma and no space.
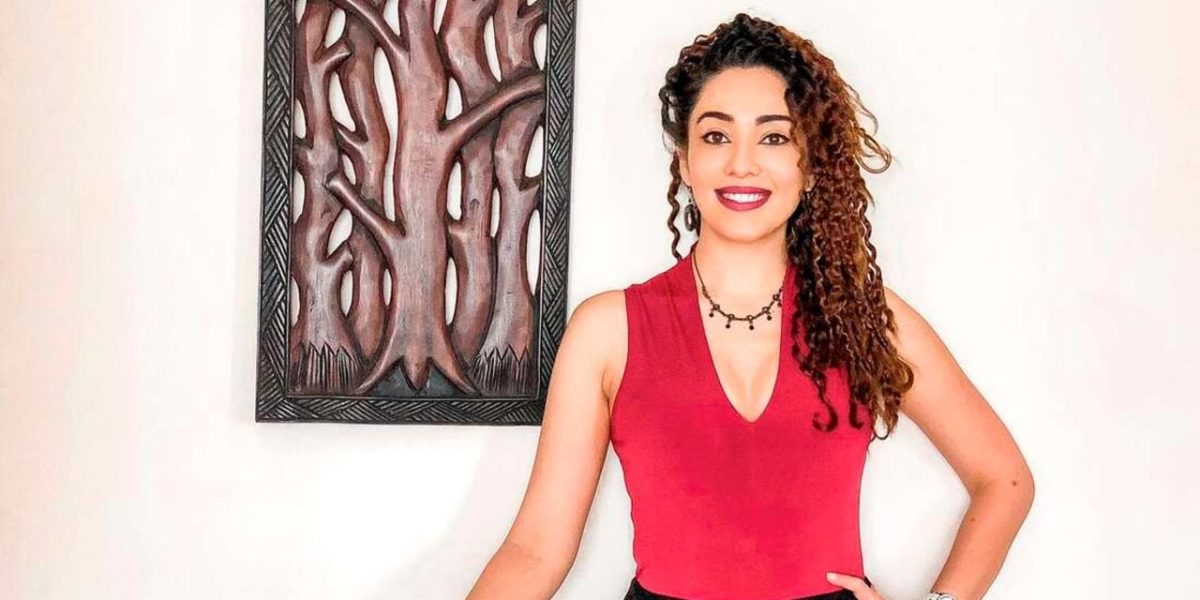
691,216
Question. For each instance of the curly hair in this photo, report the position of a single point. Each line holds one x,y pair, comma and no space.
840,287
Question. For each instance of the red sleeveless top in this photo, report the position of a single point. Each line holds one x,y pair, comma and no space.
724,508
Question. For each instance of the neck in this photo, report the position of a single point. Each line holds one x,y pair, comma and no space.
741,271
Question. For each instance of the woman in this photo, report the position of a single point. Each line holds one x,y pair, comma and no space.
743,446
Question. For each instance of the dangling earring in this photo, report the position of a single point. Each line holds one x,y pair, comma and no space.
691,216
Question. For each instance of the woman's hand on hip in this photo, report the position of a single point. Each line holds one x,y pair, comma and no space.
861,590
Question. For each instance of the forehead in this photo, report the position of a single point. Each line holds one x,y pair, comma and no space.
743,92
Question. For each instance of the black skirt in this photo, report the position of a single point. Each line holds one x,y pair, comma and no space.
637,592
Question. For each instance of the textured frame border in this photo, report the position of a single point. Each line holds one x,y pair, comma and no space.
273,403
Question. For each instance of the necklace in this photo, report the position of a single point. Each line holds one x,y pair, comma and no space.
729,318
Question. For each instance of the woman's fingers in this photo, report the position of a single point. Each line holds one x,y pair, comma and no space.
861,590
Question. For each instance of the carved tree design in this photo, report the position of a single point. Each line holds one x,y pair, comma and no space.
399,334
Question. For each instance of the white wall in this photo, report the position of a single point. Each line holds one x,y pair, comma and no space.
1041,214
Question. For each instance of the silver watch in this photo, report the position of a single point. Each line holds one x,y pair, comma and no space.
940,596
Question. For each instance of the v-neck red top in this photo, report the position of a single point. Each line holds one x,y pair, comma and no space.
724,508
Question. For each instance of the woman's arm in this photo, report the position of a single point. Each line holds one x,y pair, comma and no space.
960,423
543,541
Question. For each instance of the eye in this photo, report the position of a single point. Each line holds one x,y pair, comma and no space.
713,137
782,139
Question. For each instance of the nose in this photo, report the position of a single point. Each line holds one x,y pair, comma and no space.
742,161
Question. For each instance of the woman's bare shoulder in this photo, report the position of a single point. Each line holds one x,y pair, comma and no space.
600,319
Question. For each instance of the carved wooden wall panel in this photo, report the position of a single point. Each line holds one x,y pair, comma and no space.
401,281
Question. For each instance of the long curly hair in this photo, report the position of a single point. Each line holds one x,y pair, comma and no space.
840,287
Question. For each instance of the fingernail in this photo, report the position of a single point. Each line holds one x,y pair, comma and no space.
830,576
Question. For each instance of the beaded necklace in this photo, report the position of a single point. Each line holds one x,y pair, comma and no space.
730,318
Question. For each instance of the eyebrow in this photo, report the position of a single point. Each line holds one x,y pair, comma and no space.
759,121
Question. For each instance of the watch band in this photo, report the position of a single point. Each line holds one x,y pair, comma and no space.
940,596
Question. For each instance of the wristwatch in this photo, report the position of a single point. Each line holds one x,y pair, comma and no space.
940,596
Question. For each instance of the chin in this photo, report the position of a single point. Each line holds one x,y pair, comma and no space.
749,231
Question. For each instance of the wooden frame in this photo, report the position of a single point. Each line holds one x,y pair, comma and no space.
370,346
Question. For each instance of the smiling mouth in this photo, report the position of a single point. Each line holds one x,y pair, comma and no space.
742,198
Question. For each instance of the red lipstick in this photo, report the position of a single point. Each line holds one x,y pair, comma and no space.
742,198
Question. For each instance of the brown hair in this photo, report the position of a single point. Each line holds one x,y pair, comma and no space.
840,287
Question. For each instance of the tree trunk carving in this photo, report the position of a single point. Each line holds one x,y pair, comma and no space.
395,341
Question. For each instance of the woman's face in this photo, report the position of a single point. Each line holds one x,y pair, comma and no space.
741,162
